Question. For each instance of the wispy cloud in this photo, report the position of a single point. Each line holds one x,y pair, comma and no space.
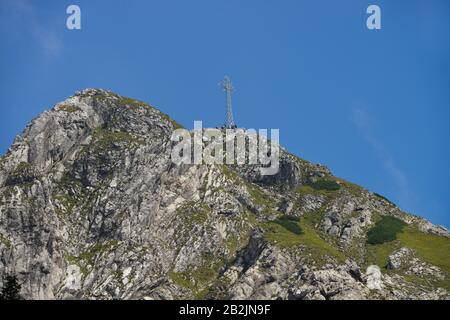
365,124
26,13
50,43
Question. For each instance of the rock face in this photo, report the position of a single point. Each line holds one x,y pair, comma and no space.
92,207
406,259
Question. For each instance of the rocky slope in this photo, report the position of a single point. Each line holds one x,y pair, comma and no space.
91,206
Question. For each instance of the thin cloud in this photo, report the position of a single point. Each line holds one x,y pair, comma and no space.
24,9
48,40
364,122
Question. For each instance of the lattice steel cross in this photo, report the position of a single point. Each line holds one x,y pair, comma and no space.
228,88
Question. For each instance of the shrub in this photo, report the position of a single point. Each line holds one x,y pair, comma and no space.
385,230
289,223
23,173
124,101
69,108
11,288
384,198
325,184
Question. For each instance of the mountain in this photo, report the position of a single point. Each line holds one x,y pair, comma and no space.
92,207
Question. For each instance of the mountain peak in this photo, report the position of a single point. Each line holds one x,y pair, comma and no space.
93,207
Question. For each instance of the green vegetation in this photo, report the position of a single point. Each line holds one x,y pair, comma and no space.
181,280
175,124
324,188
289,223
198,279
10,288
104,140
70,193
325,184
104,147
191,216
87,258
6,194
194,213
68,203
428,247
5,241
283,233
352,188
276,233
231,174
258,196
2,161
385,230
305,189
384,198
378,254
69,108
233,243
328,186
125,101
23,168
96,249
133,103
22,174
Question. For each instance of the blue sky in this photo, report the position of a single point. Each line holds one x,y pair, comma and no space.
371,105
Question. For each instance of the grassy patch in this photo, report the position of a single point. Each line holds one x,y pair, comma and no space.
68,108
385,230
306,189
133,103
191,216
22,174
325,184
233,243
279,235
194,213
181,280
378,254
104,147
104,139
69,194
352,188
198,279
6,194
175,124
231,174
281,232
86,259
430,248
289,223
67,202
5,241
22,167
258,197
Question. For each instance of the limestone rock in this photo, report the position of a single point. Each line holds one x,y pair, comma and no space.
92,207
